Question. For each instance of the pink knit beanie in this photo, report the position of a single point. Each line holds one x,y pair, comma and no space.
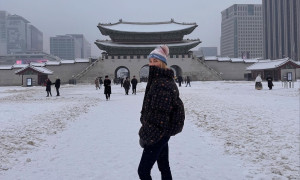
161,53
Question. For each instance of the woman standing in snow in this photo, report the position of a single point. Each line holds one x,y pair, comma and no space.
258,84
48,87
162,115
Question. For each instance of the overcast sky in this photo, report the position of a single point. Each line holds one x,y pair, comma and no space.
59,17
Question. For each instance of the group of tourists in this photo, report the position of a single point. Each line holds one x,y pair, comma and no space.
126,84
187,81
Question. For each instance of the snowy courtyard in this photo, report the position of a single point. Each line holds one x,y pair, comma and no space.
232,131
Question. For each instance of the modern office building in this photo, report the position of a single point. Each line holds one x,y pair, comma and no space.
281,22
85,45
3,34
36,39
242,31
18,35
70,46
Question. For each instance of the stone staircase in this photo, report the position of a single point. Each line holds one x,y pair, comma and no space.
214,72
86,70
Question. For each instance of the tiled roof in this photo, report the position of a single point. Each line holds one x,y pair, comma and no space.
39,69
150,27
269,64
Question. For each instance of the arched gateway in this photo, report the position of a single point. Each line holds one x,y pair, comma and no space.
131,42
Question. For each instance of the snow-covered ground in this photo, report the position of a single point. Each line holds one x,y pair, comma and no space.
232,131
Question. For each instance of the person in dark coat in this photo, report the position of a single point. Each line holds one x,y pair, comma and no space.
134,83
57,86
121,81
48,87
107,88
188,81
270,82
126,85
162,115
179,80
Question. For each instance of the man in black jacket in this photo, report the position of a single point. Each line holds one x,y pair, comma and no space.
57,86
134,83
126,85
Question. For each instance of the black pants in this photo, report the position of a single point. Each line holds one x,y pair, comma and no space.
158,152
57,91
133,89
49,92
126,91
107,96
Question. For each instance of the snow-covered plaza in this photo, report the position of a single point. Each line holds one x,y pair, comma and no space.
232,131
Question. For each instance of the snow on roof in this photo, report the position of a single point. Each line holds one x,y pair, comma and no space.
43,70
237,60
113,44
67,61
268,64
53,63
223,59
148,27
211,58
6,67
250,60
39,69
82,60
37,64
215,58
19,65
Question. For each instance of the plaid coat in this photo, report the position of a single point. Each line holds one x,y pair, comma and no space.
163,111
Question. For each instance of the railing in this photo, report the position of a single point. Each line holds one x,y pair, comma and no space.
86,70
210,68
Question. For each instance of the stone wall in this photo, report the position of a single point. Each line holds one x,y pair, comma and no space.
230,70
63,71
9,78
188,66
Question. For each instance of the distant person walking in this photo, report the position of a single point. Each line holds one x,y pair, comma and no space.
121,81
258,84
188,81
57,86
134,83
97,83
162,116
270,82
107,88
100,82
126,85
179,80
48,87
